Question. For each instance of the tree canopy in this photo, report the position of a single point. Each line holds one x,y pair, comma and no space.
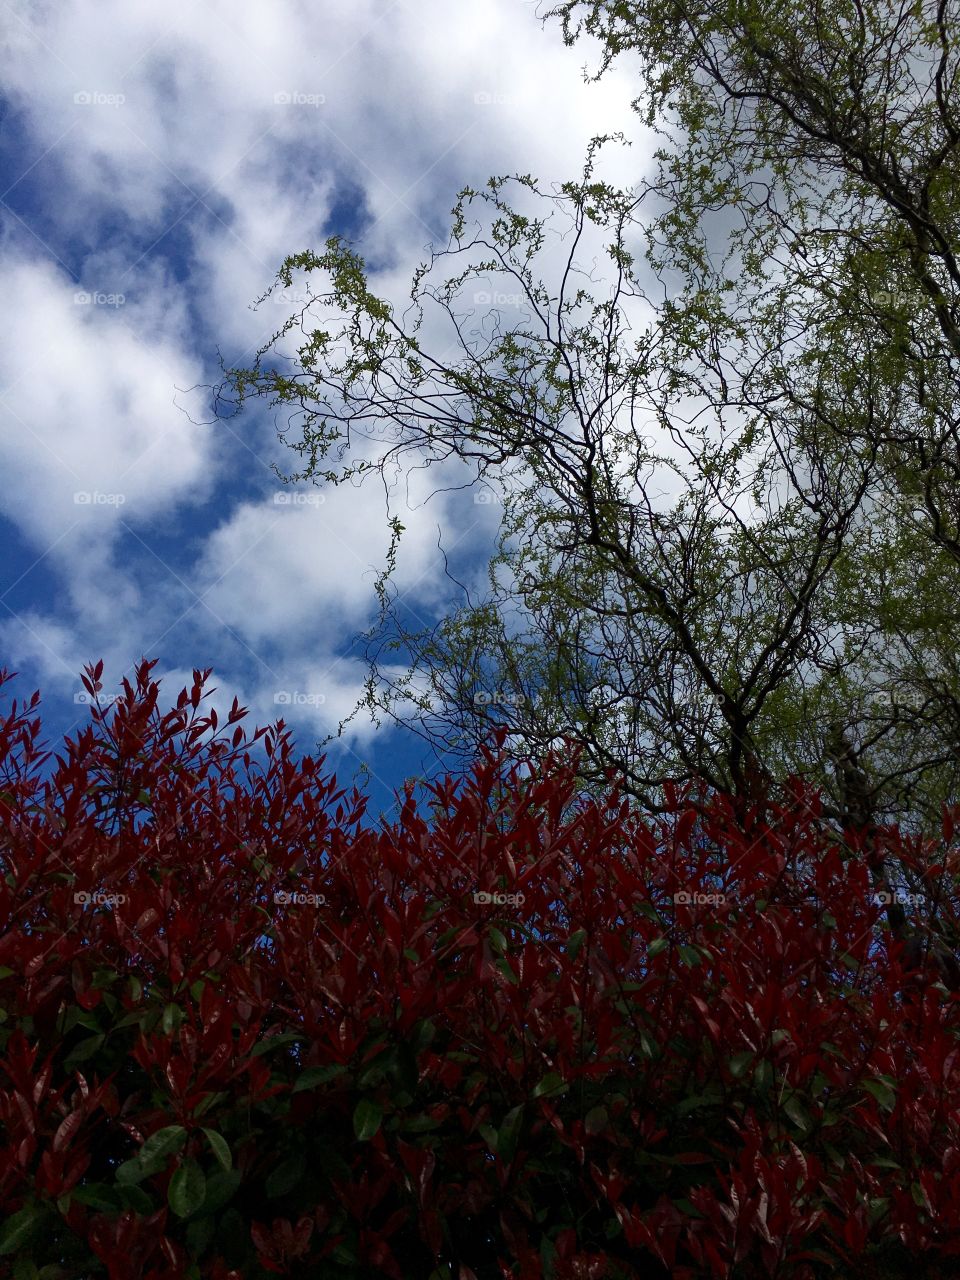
719,409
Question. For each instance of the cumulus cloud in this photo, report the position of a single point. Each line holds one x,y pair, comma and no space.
90,428
178,152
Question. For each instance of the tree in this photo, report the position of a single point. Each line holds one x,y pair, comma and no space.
718,633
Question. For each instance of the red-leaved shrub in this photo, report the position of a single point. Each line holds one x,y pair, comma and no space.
243,1035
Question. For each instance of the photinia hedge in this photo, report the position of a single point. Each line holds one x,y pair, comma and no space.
244,1036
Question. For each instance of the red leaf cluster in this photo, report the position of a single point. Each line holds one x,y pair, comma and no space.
534,1036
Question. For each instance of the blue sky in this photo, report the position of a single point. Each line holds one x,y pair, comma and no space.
157,162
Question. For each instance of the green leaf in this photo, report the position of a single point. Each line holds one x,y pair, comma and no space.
656,945
508,1136
314,1076
220,1189
504,966
187,1190
575,943
162,1144
98,1195
18,1229
366,1119
84,1050
919,1197
763,1074
220,1148
691,1104
882,1092
424,1035
648,1046
135,1198
171,1019
794,1109
25,1269
135,1170
550,1084
688,1209
273,1041
286,1176
497,941
690,956
420,1124
739,1062
211,1100
200,1233
596,1120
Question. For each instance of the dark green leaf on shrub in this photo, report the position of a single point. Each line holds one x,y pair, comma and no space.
366,1119
187,1190
286,1176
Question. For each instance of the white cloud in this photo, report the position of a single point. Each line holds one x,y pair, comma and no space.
89,425
180,181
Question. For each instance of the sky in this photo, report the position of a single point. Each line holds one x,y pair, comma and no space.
157,163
